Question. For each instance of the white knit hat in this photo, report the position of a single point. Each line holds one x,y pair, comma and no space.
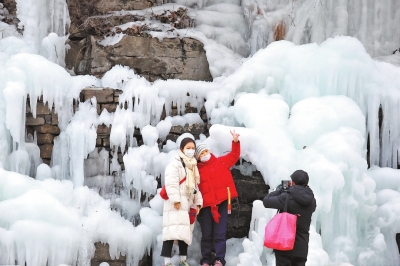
199,149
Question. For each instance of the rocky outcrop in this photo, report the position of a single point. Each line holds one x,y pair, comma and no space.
102,254
151,58
170,58
81,10
250,188
11,6
45,124
105,6
8,16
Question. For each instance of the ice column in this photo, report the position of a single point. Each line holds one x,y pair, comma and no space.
82,135
39,18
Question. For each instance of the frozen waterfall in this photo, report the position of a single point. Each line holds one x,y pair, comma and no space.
311,101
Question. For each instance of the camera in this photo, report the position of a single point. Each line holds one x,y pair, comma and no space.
286,183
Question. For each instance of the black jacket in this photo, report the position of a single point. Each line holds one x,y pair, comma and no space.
301,201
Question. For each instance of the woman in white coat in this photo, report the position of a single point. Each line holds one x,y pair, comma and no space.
181,197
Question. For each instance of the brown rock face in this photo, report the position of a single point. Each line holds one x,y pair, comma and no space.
11,6
54,119
75,54
48,129
42,109
250,188
103,130
105,6
46,150
102,254
168,59
80,11
101,95
195,130
31,121
45,138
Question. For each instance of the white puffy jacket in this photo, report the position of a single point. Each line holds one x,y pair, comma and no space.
176,223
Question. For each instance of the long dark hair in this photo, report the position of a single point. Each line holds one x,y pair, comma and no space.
186,141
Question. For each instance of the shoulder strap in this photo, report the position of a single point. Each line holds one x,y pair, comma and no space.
184,167
183,163
285,207
286,202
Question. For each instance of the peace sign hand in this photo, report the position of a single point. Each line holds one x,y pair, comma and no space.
235,136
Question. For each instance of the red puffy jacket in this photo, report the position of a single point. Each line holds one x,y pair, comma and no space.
216,177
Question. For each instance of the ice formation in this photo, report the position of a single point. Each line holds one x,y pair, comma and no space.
315,21
309,102
52,222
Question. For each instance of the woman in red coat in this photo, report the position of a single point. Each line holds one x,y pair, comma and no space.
218,189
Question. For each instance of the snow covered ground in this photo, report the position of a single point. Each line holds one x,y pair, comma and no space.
306,104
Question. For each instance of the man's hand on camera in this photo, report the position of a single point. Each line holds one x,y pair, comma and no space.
279,188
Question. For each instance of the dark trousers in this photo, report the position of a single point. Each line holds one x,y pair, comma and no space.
167,245
282,260
213,233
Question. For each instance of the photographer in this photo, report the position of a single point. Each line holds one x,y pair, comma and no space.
302,202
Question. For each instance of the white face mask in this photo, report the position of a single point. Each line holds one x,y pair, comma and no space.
205,158
189,153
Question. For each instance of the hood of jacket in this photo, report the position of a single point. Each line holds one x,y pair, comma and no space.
302,194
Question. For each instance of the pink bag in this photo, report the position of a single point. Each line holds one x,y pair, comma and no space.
280,232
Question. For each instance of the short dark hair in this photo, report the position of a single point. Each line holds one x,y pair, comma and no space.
186,141
300,177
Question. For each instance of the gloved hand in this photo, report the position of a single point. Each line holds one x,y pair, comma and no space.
279,188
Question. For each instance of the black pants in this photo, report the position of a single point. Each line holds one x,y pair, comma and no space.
213,234
167,245
282,260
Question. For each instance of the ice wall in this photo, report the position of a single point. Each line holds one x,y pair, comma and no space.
50,223
339,66
372,22
254,24
289,81
323,136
